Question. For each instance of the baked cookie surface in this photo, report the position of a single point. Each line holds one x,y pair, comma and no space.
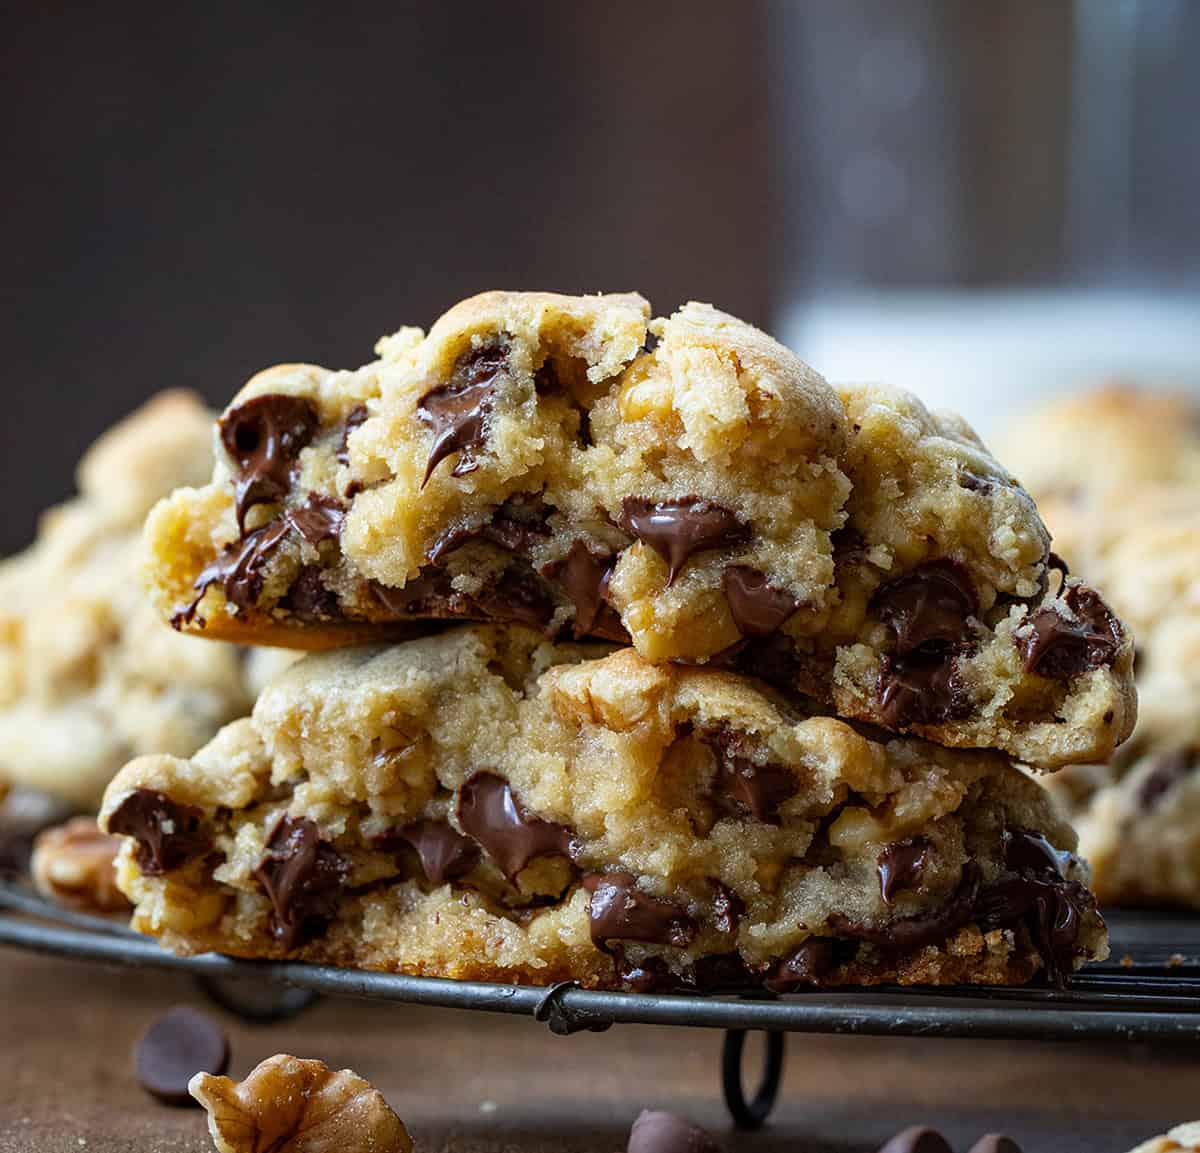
485,804
685,485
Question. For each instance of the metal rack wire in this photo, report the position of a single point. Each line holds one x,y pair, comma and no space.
1149,991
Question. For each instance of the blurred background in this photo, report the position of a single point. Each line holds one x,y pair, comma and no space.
980,201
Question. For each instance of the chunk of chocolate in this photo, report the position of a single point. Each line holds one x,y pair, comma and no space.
742,785
265,435
848,546
1063,645
174,1048
1162,774
807,965
318,519
901,865
308,599
445,854
620,911
430,593
168,834
238,570
917,1139
460,413
658,1132
758,607
676,529
516,526
921,689
302,876
354,418
995,1143
517,596
489,812
929,605
1029,852
584,576
728,908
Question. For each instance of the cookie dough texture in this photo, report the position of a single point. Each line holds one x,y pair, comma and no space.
685,485
88,674
485,804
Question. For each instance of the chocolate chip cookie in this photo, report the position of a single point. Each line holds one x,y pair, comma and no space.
486,804
88,674
685,485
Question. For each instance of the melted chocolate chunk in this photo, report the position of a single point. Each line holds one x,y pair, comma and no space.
677,528
657,1132
1162,774
758,607
929,605
741,785
901,866
489,811
1062,646
649,344
728,908
354,418
917,1139
168,834
517,596
516,526
460,413
1054,561
849,548
807,965
1029,852
309,600
445,854
264,436
584,577
318,519
238,570
620,911
429,594
921,689
303,877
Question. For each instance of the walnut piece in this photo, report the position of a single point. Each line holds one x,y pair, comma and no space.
73,864
291,1105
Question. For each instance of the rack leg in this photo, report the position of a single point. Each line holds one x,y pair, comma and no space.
750,1114
256,1003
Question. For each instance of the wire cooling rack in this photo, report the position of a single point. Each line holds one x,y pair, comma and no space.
1148,991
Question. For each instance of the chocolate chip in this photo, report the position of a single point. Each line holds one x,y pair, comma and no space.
1030,852
265,435
995,1143
1161,774
445,854
929,605
620,911
1054,561
460,413
430,593
1064,645
303,877
849,548
742,785
923,688
516,526
584,577
758,607
901,865
917,1139
807,965
728,908
237,570
168,833
175,1047
489,811
649,344
354,418
308,599
517,596
658,1132
318,519
677,528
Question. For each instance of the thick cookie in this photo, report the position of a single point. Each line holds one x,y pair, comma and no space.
685,485
88,674
485,804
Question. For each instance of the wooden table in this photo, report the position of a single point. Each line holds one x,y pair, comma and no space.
492,1084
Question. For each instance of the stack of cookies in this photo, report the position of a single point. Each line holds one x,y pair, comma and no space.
749,665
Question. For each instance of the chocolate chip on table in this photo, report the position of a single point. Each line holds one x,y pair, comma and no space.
460,413
445,854
917,1139
742,785
995,1143
264,435
922,688
758,607
489,812
174,1048
929,605
168,834
657,1132
1064,645
584,577
806,965
354,418
901,866
620,911
303,877
676,529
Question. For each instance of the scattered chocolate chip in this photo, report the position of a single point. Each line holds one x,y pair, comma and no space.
460,413
517,596
489,811
758,607
318,519
728,908
995,1143
807,965
308,599
168,834
677,528
1161,774
354,418
929,605
922,688
265,435
584,577
302,876
620,911
658,1132
917,1139
1026,851
445,854
1064,645
175,1047
901,866
743,786
238,570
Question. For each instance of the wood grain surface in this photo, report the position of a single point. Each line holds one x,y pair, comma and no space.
478,1083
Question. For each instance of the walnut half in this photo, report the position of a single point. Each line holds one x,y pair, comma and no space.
73,864
290,1105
